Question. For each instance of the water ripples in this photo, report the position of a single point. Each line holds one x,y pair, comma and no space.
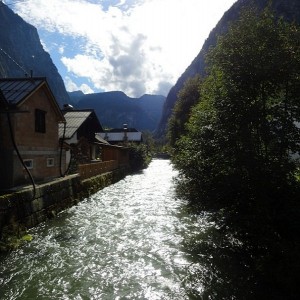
124,242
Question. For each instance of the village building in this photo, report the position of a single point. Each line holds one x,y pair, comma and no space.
39,142
84,145
29,141
121,136
78,135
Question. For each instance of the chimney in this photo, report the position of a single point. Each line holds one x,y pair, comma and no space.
68,107
125,132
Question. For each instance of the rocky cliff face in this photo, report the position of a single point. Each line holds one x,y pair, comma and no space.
289,9
22,52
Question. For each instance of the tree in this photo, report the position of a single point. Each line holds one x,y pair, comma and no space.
138,157
238,156
188,96
237,152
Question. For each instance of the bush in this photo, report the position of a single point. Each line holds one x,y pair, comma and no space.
138,157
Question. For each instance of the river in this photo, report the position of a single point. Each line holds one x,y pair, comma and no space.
124,242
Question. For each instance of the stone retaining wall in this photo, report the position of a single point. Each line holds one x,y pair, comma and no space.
24,209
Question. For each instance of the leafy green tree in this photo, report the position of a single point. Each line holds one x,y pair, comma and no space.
149,141
138,157
187,98
238,156
241,137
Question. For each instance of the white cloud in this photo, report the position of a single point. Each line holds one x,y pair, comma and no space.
45,46
61,49
72,86
143,49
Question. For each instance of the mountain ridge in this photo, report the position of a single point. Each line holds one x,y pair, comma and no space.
22,54
115,108
288,9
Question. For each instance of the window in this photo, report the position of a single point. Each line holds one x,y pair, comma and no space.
28,163
50,162
40,121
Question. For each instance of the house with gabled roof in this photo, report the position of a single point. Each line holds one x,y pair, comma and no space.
120,136
29,141
78,135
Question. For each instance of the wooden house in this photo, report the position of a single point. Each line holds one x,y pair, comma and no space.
86,152
78,135
29,141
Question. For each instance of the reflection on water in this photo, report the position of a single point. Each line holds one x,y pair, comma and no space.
124,242
135,240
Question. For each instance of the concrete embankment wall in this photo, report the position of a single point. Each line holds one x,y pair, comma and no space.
24,209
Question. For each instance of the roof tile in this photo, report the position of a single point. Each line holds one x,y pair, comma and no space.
16,89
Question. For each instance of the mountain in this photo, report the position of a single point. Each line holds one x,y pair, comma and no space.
115,109
288,9
75,97
22,52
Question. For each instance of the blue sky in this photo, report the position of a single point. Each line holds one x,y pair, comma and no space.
135,46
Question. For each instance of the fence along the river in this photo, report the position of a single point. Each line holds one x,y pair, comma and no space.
94,169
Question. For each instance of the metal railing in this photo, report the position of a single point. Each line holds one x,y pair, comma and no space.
94,169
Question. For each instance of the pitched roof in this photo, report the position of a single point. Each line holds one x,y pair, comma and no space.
122,130
17,89
74,119
100,140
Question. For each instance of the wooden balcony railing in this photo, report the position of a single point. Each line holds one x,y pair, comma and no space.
97,168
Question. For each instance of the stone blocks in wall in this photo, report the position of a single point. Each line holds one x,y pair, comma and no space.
27,208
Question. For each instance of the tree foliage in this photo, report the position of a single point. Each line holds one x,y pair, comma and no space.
187,98
238,153
242,134
138,157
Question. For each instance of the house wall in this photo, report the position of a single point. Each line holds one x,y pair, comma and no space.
72,140
33,145
6,155
121,136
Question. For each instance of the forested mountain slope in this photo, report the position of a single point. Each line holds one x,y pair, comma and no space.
289,9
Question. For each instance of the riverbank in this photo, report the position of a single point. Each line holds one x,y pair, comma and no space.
29,206
123,242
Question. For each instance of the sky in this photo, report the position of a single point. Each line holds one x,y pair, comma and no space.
135,46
